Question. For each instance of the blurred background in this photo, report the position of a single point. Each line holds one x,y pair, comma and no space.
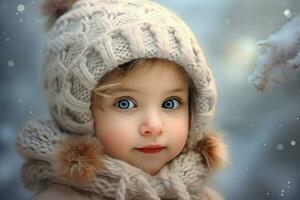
260,128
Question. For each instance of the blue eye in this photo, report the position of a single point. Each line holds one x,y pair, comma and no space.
169,104
128,104
124,104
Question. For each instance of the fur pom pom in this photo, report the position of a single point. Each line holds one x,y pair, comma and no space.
77,160
213,149
53,9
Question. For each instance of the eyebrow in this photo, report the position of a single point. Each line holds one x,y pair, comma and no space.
123,89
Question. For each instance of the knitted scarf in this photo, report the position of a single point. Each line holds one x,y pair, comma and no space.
54,156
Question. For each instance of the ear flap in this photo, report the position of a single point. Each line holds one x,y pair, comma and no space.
213,150
77,159
53,9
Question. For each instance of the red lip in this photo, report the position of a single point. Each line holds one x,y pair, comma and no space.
151,148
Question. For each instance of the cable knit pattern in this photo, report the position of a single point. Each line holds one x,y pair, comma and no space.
96,36
90,39
183,176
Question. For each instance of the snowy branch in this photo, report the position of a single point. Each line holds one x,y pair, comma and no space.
281,56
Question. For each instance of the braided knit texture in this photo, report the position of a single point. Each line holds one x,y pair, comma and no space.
96,36
180,179
92,38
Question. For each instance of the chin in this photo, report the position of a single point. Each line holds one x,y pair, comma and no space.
152,171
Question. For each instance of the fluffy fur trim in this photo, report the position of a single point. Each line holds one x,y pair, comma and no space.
213,149
53,9
78,159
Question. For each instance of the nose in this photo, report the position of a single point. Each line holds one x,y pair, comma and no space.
151,124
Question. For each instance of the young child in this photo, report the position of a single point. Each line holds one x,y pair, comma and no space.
131,97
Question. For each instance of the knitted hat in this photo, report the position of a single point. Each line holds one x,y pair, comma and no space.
87,39
92,37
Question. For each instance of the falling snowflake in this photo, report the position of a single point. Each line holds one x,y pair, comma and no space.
20,8
7,39
287,13
279,147
282,192
293,142
11,63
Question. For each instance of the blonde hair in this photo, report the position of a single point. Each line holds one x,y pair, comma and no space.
113,78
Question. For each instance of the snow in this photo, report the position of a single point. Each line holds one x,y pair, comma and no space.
20,8
280,58
287,13
11,63
279,147
293,142
282,192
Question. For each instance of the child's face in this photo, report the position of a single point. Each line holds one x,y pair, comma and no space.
149,113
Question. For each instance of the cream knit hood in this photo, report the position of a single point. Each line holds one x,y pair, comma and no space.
86,39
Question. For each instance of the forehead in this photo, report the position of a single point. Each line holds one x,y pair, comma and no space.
159,74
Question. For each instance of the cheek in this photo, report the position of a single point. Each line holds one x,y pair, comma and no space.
179,132
114,134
